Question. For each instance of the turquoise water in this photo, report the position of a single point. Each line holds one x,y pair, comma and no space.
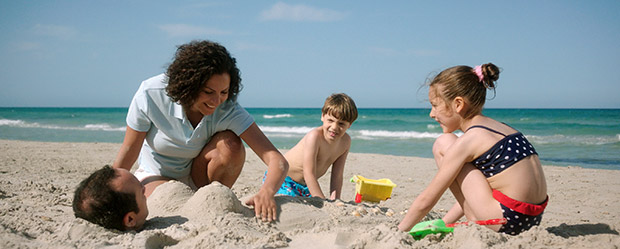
580,137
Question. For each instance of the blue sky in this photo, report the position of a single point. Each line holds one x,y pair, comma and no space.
554,54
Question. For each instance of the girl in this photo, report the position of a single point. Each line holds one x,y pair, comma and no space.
492,170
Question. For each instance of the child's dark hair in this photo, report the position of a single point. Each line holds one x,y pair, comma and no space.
95,200
341,106
464,81
194,64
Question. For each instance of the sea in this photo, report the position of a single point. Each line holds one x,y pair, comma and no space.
588,138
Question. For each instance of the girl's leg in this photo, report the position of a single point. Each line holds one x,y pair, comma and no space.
454,214
476,196
220,160
471,189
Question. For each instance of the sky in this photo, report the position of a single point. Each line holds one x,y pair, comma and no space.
553,54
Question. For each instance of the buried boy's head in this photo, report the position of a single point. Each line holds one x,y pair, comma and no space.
112,198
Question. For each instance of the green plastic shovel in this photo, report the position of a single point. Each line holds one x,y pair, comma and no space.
422,229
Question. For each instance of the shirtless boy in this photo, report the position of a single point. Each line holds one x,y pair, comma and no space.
324,146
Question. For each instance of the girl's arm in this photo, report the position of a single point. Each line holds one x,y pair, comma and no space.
277,167
451,164
130,149
310,153
454,214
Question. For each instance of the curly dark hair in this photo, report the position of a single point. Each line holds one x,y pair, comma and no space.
194,64
95,200
463,81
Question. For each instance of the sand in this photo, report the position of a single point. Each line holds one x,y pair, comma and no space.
37,181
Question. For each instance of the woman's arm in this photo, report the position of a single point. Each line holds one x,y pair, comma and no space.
277,167
130,149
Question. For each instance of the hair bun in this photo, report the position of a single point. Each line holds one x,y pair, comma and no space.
491,74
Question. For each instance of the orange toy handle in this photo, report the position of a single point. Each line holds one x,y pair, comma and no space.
481,222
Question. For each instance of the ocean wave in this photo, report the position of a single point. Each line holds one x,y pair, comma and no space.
370,134
9,122
286,129
574,140
103,127
295,131
87,127
285,115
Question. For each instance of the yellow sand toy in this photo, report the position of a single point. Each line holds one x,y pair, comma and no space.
372,190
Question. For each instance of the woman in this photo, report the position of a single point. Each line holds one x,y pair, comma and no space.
187,125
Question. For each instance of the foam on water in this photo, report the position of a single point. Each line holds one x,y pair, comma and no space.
285,115
87,127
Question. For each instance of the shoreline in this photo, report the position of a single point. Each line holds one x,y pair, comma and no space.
285,149
37,180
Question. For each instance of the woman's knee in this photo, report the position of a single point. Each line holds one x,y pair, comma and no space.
229,145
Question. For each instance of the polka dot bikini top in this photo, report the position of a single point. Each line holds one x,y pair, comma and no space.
504,153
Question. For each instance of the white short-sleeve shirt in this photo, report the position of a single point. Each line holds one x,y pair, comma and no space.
172,142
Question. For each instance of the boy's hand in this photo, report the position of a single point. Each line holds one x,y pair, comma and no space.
264,206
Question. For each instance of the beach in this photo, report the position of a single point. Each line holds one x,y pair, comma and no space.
37,181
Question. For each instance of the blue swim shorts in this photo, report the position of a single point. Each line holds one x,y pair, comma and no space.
291,188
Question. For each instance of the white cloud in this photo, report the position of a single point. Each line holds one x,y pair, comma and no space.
286,12
56,31
384,51
183,30
424,52
27,46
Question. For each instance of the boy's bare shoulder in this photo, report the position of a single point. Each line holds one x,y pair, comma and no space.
347,138
314,134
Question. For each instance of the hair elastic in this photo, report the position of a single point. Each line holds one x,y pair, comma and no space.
478,72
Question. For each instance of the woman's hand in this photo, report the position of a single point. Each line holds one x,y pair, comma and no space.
264,205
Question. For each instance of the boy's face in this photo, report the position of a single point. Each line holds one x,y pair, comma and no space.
333,128
126,182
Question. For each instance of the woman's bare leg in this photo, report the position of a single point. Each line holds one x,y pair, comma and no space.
220,160
150,183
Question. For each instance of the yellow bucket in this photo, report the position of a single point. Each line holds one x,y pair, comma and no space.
372,190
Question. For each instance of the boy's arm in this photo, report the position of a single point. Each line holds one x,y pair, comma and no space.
335,187
311,151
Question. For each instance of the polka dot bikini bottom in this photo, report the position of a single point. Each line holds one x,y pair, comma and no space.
516,222
520,216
